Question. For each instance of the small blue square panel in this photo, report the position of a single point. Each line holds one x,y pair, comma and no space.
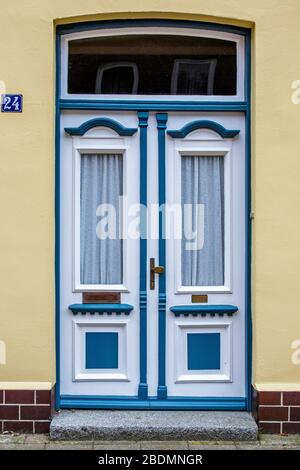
203,351
101,350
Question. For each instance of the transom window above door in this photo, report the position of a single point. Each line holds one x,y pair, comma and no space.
143,61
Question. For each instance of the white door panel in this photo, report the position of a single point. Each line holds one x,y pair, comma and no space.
232,330
76,379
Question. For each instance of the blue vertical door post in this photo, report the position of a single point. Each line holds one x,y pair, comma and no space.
161,119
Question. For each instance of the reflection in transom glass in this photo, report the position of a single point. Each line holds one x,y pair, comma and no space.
152,65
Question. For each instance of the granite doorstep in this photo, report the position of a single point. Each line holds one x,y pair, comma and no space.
153,425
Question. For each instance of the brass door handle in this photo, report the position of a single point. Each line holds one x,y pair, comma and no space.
154,270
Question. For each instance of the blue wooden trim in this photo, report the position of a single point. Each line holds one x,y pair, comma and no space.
202,124
248,226
103,122
101,308
162,105
154,403
203,310
161,119
91,25
143,125
57,225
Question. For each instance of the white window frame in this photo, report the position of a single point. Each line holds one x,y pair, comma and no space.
194,145
85,145
238,39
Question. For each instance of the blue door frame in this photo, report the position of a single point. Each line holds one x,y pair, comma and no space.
142,401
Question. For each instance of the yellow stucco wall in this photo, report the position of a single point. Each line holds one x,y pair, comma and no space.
27,177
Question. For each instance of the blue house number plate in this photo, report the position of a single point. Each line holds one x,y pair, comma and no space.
12,104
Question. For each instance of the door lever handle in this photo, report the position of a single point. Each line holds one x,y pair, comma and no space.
154,270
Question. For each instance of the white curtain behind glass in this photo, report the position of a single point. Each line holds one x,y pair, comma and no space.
100,183
202,182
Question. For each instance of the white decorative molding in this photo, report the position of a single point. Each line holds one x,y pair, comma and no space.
95,142
196,144
181,372
80,328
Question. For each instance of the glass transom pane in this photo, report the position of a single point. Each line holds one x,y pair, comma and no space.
146,64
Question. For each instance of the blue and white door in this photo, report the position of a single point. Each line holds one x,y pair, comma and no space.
153,259
154,204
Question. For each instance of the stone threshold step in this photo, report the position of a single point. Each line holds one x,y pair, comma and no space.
153,425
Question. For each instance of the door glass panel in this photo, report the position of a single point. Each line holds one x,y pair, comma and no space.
101,185
202,198
152,65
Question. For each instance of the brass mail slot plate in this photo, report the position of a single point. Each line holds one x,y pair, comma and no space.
201,299
101,298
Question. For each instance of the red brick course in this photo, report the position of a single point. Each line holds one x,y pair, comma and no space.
273,413
42,427
279,412
39,412
18,426
291,428
270,398
295,413
19,396
270,428
291,398
43,397
9,412
25,411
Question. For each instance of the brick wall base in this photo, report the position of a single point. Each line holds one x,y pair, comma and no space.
26,411
30,411
278,412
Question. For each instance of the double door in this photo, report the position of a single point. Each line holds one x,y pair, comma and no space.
152,266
